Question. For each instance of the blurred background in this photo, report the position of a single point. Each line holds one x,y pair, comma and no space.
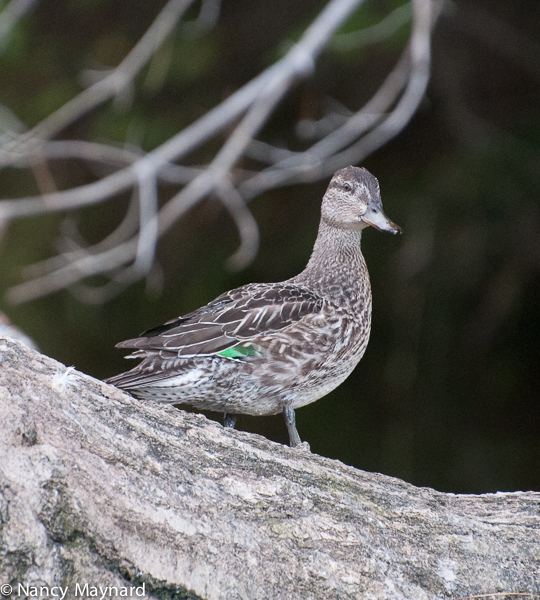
448,393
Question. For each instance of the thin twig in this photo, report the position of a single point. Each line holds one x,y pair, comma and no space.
246,225
72,251
376,33
11,15
148,226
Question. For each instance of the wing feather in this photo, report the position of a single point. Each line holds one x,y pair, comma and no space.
238,316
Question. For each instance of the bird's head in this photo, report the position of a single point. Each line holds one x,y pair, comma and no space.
353,201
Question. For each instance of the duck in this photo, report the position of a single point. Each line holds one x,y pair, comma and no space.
268,348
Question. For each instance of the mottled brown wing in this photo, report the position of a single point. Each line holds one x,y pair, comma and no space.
237,316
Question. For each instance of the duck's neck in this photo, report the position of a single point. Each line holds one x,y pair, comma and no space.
337,268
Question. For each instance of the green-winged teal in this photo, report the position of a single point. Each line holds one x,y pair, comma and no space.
265,348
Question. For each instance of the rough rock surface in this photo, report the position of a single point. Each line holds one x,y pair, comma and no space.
99,488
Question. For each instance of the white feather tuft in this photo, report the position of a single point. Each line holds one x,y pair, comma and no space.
61,380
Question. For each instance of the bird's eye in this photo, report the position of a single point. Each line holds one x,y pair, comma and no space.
347,187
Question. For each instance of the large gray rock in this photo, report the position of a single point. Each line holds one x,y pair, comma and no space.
98,488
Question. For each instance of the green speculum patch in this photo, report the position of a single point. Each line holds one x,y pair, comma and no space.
241,351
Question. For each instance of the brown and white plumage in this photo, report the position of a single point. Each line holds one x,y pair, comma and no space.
269,347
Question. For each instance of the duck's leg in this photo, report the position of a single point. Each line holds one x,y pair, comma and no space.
290,421
229,420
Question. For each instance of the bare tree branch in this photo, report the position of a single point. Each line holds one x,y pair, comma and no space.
324,157
307,165
127,254
109,86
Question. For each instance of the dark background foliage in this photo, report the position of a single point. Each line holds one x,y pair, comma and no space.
448,392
